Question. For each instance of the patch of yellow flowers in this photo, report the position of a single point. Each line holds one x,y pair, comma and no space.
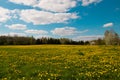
59,62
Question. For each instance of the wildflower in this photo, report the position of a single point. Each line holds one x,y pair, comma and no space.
48,78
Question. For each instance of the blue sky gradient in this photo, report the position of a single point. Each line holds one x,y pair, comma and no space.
74,19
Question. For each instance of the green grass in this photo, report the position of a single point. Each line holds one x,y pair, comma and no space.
59,62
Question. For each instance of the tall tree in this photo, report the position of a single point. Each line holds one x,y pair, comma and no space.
111,37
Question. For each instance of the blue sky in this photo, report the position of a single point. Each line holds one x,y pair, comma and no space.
74,19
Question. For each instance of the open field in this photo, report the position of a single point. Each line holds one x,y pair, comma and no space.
59,62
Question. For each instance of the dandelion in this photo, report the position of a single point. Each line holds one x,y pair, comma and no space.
49,79
115,70
23,78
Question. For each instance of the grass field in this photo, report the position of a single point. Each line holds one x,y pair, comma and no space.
59,62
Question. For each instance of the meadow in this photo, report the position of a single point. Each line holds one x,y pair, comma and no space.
59,62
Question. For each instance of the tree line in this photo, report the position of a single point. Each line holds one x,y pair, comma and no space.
18,40
110,38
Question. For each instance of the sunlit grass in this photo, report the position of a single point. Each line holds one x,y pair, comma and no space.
59,62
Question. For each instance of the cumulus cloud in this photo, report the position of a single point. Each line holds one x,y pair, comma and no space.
25,2
88,2
35,16
108,24
51,11
66,31
15,13
36,31
87,38
42,17
49,5
56,5
6,14
17,26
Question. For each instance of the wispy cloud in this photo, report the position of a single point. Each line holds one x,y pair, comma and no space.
32,31
13,34
17,26
88,2
87,38
108,24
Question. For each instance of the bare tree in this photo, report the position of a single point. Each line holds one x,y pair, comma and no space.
111,37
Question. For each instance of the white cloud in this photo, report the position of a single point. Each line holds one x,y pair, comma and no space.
35,16
56,5
66,31
41,36
36,31
25,2
15,13
88,2
87,38
17,34
42,17
83,31
4,14
17,26
13,34
108,24
49,5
